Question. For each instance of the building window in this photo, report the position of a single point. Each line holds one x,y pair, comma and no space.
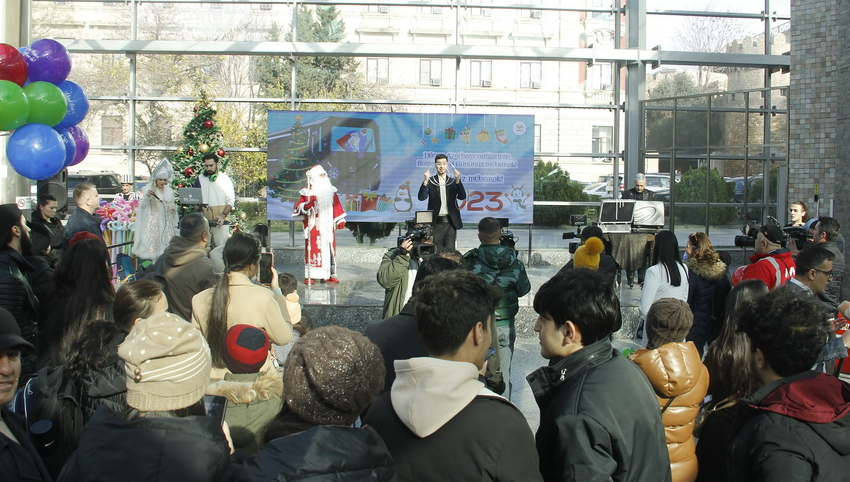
479,11
430,72
529,75
378,70
602,139
112,130
480,73
378,8
600,77
528,13
538,143
601,4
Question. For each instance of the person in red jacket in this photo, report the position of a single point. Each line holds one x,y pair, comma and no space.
772,262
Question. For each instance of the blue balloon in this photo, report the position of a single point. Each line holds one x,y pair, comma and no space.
36,151
78,103
70,145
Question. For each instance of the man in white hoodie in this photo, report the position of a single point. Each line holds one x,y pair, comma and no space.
438,420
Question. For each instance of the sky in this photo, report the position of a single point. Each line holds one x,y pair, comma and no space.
661,29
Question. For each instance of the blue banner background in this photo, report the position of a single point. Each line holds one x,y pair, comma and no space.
377,161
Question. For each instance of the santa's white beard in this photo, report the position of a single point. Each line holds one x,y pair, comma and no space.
324,192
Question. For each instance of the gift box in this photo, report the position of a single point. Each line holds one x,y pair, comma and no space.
369,201
384,204
451,134
352,202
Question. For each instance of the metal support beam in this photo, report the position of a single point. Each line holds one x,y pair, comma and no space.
635,89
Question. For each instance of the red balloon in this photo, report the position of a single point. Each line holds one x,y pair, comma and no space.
13,66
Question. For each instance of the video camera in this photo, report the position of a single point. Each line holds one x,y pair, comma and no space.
419,231
577,220
508,239
797,234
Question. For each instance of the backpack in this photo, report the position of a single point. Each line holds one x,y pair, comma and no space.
60,404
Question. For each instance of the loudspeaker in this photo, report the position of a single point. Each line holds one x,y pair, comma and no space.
58,186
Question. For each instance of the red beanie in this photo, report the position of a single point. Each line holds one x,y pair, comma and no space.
81,236
246,349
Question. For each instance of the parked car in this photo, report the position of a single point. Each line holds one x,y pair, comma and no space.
107,183
655,182
739,186
598,189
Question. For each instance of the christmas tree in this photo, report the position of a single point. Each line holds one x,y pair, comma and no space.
200,136
294,164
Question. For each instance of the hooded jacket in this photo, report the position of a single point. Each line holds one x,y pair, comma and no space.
794,429
253,400
322,453
599,419
440,423
774,268
499,266
678,376
187,271
148,449
708,287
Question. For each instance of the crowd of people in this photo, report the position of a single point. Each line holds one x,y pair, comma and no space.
196,376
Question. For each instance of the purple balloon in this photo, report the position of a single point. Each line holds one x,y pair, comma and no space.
70,145
82,142
78,103
48,61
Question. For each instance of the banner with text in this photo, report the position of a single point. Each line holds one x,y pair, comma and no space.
377,160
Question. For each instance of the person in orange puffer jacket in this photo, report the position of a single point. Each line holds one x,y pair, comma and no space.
679,378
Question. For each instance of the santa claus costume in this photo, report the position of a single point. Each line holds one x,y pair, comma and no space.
321,211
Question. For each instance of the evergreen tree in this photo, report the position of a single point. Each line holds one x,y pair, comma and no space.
200,136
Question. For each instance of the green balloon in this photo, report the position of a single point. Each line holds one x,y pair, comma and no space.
14,106
48,104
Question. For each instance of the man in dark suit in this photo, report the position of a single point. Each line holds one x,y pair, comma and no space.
442,193
18,457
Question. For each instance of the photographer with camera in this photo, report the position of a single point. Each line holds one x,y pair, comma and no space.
498,265
399,265
772,263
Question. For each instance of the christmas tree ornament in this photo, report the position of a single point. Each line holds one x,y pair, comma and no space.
208,124
189,171
196,109
204,148
191,152
220,152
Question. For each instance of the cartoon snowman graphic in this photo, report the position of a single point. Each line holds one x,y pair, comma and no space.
403,202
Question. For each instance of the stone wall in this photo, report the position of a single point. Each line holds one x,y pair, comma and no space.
819,115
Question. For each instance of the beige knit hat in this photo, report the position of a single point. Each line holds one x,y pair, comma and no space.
167,362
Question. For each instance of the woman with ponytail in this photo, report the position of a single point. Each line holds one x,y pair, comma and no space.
236,300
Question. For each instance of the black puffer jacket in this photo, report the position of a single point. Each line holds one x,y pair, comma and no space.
17,296
708,286
794,429
190,449
342,454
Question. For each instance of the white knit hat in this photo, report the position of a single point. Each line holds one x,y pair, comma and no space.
167,361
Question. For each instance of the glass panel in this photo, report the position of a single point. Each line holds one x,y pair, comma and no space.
81,20
101,74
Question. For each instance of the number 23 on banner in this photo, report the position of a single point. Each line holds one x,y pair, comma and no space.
475,199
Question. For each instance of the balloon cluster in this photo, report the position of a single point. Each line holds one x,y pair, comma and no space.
117,220
42,108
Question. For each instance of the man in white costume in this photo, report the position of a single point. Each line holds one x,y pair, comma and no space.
321,211
219,198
